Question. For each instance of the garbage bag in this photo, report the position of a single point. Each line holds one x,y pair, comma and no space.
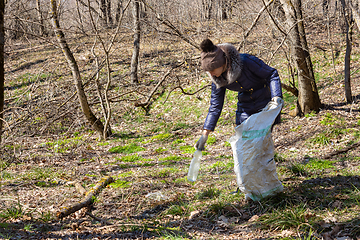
253,151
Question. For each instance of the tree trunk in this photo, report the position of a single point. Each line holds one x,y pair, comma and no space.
308,95
348,23
224,9
2,43
108,13
118,11
135,56
207,8
41,19
356,14
103,11
325,7
304,44
96,123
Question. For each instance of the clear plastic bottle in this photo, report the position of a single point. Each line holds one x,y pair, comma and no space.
194,166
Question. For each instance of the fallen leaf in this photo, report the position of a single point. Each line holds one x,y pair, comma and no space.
193,214
254,218
224,219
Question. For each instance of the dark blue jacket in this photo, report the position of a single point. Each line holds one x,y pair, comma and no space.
257,84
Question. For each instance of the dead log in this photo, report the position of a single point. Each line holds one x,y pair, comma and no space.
88,200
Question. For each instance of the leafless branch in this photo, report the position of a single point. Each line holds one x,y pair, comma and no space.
146,103
167,23
253,24
184,92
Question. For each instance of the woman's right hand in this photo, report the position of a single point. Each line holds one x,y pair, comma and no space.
200,144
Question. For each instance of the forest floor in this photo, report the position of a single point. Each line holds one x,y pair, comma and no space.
46,159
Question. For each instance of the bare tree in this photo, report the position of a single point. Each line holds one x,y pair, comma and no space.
325,7
355,11
96,123
349,21
2,42
105,8
207,8
41,19
135,56
108,13
118,10
308,98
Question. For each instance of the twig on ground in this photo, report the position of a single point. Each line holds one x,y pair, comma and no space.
337,152
98,219
66,211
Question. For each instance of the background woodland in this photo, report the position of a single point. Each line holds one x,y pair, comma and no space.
107,97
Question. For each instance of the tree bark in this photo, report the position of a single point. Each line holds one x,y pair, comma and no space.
41,19
348,23
95,123
207,8
108,13
2,43
135,56
325,7
355,12
224,9
308,95
103,11
304,45
118,10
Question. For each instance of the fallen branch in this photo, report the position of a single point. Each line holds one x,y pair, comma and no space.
337,152
66,211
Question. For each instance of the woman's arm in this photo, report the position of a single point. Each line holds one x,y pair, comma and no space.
216,105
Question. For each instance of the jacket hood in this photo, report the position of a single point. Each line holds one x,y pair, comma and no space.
234,66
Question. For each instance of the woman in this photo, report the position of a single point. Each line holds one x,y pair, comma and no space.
255,82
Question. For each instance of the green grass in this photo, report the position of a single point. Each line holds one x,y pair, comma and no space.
130,158
177,142
222,166
321,139
327,136
65,145
164,172
171,158
208,193
328,120
162,137
293,217
187,149
13,212
312,114
42,174
120,184
130,148
211,140
316,164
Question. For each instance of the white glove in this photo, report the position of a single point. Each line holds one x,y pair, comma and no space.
200,144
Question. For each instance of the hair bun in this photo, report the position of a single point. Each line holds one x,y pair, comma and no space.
207,46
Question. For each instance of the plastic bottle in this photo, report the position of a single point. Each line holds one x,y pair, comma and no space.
194,166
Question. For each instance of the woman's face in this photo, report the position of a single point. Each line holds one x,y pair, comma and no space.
217,71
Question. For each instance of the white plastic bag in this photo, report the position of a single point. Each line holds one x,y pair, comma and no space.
253,151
